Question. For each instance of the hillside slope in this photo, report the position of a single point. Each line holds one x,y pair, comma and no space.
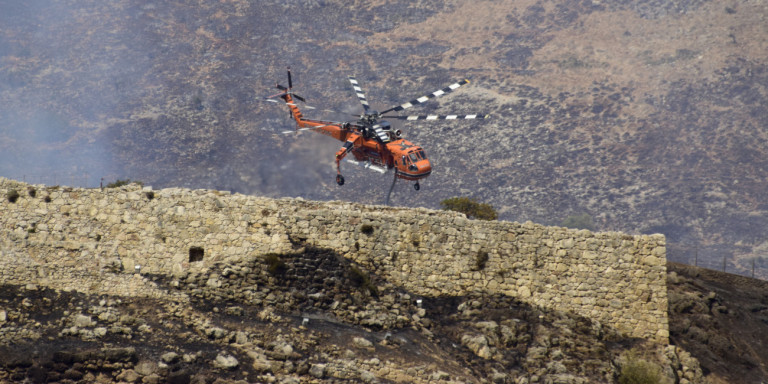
647,115
721,319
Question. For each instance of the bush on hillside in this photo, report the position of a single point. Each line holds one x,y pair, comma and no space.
120,183
362,280
480,260
366,229
470,207
581,221
638,371
12,195
275,264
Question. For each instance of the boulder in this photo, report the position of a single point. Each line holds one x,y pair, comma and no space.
225,361
440,376
317,370
260,361
129,376
241,337
82,321
127,354
367,377
152,379
146,367
477,344
170,357
362,342
281,350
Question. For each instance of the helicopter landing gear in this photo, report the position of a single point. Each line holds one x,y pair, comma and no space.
417,186
340,155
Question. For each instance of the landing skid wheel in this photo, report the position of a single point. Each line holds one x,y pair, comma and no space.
416,186
339,179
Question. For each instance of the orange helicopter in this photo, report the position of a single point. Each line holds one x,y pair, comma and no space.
372,141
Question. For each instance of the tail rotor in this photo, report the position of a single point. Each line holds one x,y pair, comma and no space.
287,90
290,82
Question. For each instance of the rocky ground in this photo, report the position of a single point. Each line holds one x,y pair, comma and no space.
721,319
308,316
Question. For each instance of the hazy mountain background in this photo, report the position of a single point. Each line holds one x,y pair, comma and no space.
647,115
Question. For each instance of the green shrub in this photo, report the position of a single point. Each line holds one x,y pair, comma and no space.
366,229
120,183
275,265
362,280
480,260
12,195
470,207
32,191
637,371
581,221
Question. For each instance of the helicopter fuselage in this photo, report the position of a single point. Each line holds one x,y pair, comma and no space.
376,144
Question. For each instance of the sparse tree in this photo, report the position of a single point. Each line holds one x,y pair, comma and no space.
581,221
12,195
119,183
638,371
470,207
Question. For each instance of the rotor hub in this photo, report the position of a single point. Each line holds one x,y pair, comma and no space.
369,118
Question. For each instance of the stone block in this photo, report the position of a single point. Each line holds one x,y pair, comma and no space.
523,292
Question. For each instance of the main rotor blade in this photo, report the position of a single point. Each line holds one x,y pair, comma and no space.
280,87
271,99
423,99
290,81
440,117
359,92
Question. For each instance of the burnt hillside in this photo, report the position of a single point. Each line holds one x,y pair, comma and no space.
720,319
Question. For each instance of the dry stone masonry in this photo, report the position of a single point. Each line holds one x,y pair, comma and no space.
65,237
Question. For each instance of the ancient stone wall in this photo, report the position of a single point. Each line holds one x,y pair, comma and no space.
65,238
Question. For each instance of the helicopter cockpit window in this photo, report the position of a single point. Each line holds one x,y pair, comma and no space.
422,154
413,157
406,160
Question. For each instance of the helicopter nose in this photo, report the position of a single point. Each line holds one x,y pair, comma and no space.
421,169
426,167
